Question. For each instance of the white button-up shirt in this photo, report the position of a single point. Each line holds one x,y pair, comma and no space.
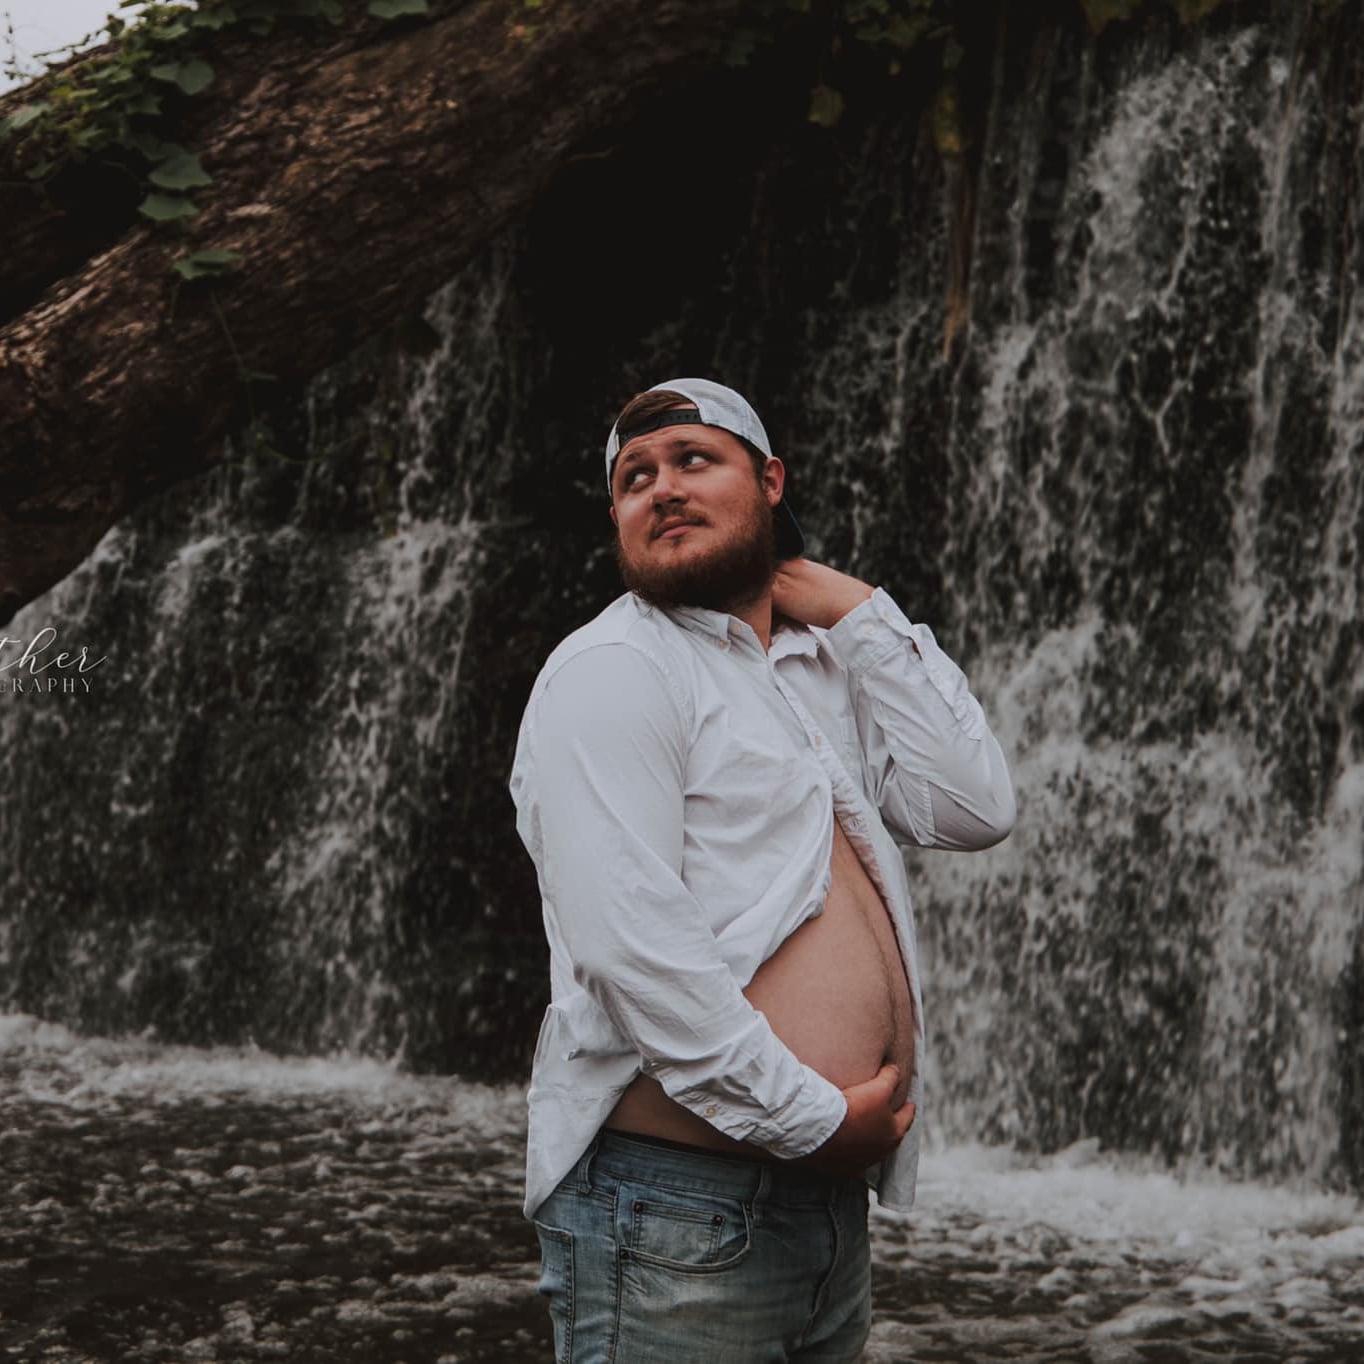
676,786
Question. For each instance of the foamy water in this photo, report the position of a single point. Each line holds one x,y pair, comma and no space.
1077,1256
171,1203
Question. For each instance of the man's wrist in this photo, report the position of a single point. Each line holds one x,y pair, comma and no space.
850,599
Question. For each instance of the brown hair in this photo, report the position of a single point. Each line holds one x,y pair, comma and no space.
655,400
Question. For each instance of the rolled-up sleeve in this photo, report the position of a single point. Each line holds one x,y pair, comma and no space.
601,811
939,774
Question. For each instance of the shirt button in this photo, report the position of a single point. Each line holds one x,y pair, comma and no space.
711,1111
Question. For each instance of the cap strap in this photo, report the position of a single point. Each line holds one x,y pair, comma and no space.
675,416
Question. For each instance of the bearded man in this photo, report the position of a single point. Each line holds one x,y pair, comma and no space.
712,777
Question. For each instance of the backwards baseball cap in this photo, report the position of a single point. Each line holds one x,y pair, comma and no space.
719,406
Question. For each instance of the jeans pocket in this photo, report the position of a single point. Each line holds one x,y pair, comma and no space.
690,1231
556,1283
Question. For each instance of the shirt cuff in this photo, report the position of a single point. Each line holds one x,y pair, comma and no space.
876,630
811,1116
871,631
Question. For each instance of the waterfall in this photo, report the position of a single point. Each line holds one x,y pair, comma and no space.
1155,547
1129,502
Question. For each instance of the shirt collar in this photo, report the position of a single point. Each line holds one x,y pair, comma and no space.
793,639
787,638
701,620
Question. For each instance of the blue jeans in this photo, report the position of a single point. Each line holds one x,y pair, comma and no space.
656,1255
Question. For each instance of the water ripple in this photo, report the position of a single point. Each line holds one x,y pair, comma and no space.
168,1204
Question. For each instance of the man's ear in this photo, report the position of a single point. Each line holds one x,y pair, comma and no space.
614,522
774,479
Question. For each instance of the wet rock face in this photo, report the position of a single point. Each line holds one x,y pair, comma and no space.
1130,505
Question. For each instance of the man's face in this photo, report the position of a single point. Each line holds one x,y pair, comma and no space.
693,524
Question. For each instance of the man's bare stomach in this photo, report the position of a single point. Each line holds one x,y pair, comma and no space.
835,992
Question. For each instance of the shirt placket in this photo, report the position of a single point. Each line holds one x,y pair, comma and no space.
851,808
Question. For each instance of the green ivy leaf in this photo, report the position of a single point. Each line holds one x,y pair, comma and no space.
195,76
21,118
164,208
391,9
826,106
210,260
946,120
904,32
1101,13
191,77
180,172
151,146
213,18
166,150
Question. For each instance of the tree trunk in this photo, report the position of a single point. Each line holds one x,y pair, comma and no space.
355,172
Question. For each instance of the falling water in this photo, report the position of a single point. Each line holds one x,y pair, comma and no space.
1128,500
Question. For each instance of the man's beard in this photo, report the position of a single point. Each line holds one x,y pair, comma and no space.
731,575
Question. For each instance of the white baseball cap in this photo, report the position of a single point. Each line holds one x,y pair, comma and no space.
722,407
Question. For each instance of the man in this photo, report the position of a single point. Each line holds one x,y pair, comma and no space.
711,777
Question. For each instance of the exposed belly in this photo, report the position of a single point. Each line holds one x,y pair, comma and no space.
835,992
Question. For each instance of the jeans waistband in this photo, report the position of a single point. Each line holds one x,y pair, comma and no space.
625,1156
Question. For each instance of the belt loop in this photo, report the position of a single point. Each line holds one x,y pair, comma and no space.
585,1165
764,1186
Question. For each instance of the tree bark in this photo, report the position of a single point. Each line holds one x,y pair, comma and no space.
355,172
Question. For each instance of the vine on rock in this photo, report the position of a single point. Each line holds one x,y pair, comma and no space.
118,104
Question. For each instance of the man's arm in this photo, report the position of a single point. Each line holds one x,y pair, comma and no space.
602,814
939,776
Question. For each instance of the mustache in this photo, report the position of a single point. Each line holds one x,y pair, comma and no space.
675,517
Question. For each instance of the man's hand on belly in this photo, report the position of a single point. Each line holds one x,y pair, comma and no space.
869,1132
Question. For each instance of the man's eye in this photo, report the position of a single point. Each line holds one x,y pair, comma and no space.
632,477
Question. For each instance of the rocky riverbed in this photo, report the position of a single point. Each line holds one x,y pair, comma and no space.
173,1204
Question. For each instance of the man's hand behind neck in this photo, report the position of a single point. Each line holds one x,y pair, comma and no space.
811,593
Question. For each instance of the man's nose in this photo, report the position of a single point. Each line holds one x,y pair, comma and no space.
668,486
